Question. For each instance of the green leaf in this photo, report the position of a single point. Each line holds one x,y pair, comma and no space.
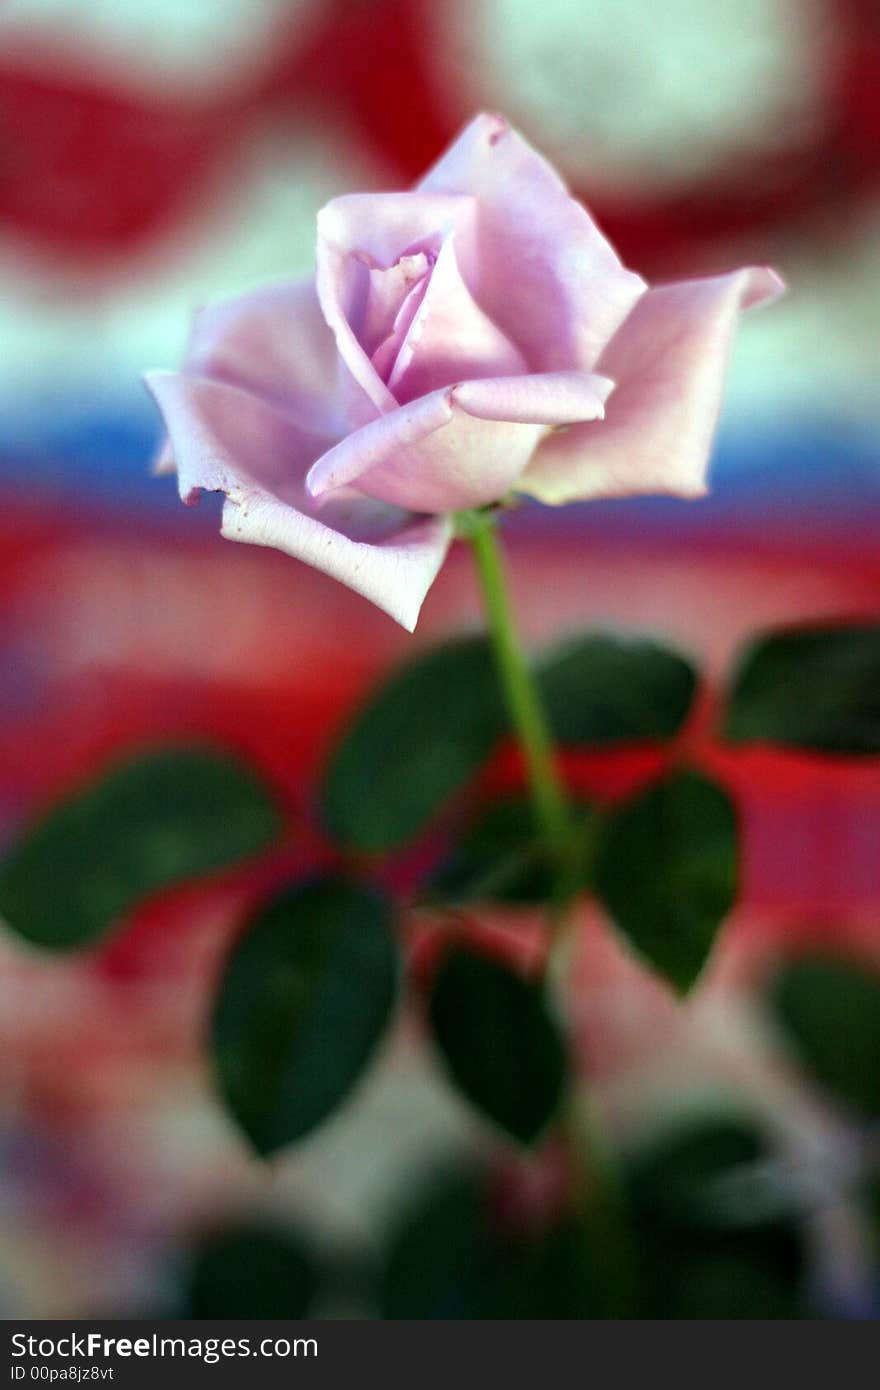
420,737
432,1266
723,1275
677,1174
306,995
500,858
815,687
157,819
830,1010
447,1261
499,1040
666,871
546,1275
251,1272
698,1255
602,689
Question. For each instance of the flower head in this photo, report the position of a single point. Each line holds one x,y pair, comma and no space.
469,339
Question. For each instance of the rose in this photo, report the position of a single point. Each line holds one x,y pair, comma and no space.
458,343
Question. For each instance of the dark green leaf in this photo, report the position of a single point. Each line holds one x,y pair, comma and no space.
724,1275
306,995
157,819
544,1276
810,688
251,1272
500,1042
697,1255
420,738
603,689
676,1174
446,1260
500,858
830,1009
666,870
432,1268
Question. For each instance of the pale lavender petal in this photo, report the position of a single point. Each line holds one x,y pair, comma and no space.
386,353
386,226
449,337
360,232
373,443
546,398
275,343
226,439
541,270
459,447
163,460
669,362
389,293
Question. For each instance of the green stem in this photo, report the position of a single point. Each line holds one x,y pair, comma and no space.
523,702
598,1198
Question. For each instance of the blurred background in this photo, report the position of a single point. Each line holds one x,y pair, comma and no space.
153,157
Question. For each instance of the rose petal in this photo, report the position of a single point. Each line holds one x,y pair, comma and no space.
373,443
163,460
226,439
462,446
389,294
386,354
275,343
377,228
386,226
546,398
669,361
544,272
449,338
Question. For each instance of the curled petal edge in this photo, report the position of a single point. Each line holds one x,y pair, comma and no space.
548,399
670,361
394,571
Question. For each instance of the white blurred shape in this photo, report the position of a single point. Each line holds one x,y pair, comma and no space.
183,43
636,91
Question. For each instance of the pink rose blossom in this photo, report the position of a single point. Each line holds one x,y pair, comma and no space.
475,337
